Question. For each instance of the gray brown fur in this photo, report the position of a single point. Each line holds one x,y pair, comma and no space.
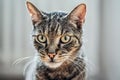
72,71
52,27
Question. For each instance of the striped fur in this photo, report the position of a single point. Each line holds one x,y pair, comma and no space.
57,39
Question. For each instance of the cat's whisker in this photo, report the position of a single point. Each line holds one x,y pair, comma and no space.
30,63
89,65
65,55
27,66
21,59
77,66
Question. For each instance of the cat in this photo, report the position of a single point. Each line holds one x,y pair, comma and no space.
57,39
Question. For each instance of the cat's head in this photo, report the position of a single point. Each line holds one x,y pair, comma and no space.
57,35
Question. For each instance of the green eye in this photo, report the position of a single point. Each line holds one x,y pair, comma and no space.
41,38
65,39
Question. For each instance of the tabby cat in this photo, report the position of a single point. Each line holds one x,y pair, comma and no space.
58,39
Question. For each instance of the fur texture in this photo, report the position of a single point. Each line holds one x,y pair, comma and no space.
58,38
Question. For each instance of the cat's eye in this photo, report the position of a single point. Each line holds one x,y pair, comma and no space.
65,38
41,38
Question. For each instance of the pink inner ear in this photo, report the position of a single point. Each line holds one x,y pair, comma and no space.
31,9
80,12
34,13
82,17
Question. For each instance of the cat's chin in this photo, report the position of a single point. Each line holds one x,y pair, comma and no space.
53,64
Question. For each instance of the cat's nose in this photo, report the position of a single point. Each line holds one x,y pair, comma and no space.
51,55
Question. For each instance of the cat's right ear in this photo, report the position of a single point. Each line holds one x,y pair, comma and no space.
35,14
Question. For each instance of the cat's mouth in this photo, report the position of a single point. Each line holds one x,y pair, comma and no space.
52,63
52,60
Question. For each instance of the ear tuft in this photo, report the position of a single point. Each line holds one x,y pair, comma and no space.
34,13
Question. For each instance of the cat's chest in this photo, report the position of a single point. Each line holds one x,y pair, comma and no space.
66,73
57,75
61,76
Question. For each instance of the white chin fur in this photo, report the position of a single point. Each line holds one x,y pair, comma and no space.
53,65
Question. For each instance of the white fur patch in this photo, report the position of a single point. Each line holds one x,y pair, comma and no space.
53,65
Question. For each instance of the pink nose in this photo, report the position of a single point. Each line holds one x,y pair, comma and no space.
51,55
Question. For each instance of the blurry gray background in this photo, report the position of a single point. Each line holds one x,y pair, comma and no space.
101,35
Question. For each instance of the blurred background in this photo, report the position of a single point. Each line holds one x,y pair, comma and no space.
101,36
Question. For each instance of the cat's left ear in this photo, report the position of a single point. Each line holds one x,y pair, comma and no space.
35,14
78,14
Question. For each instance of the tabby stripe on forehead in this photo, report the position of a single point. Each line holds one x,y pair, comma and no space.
58,29
62,31
49,28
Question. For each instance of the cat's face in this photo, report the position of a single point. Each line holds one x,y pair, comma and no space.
57,35
56,40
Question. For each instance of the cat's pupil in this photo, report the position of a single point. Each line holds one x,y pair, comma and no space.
42,38
66,38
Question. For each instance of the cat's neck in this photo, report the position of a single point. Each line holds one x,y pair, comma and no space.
64,65
66,70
